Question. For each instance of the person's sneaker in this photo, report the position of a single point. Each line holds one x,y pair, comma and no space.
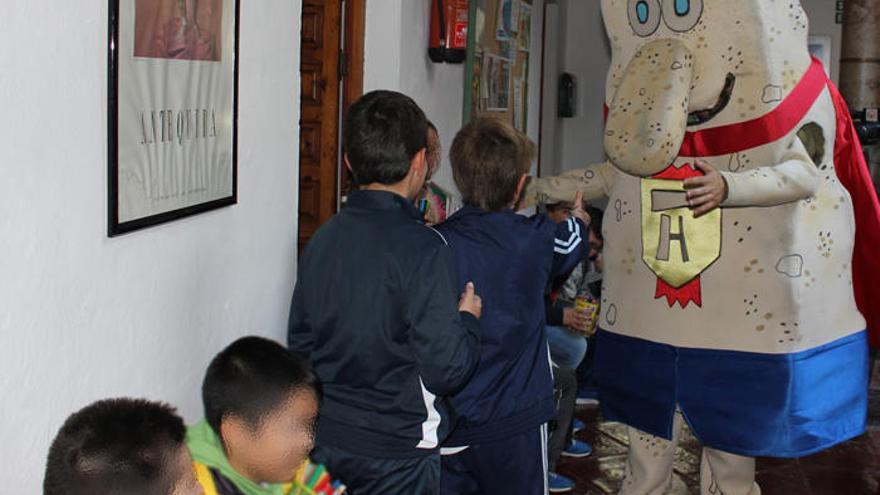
559,484
587,397
577,425
577,449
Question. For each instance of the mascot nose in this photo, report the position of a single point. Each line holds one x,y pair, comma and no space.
648,116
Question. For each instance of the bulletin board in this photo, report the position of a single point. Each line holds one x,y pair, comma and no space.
497,71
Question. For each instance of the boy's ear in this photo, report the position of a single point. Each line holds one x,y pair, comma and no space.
419,162
232,431
519,189
353,176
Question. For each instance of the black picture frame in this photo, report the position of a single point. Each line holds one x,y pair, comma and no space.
115,226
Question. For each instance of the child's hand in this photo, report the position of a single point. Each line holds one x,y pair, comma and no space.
575,319
470,302
705,193
578,210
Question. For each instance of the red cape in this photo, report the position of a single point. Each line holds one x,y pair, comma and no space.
849,162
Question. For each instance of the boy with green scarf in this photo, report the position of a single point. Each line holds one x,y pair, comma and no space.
261,403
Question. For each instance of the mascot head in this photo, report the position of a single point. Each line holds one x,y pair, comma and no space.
684,65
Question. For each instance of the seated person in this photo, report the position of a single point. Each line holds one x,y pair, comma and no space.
261,404
567,348
588,392
568,345
118,446
565,325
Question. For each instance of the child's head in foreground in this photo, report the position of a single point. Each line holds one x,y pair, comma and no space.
121,447
490,163
262,401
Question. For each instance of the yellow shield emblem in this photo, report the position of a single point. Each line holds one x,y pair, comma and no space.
676,246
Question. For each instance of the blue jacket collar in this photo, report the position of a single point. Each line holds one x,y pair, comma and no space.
382,200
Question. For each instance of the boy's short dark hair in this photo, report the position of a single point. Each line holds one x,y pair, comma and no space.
488,158
558,206
250,379
383,132
596,216
116,446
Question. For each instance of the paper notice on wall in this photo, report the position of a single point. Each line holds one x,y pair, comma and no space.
524,36
506,19
479,27
519,105
497,76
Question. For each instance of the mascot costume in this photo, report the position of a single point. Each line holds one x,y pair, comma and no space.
742,319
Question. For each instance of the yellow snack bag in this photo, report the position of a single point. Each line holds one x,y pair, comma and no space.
588,306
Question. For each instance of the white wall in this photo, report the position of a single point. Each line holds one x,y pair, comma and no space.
822,22
437,88
85,317
551,135
586,55
396,58
383,43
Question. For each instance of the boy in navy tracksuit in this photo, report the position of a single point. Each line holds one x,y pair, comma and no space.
376,312
499,443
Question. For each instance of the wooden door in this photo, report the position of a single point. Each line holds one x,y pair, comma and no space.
319,114
331,71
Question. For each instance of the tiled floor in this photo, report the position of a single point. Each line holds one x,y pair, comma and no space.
852,468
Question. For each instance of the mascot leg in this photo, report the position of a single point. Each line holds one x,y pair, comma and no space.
649,463
722,473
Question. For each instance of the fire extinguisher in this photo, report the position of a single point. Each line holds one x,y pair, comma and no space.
449,26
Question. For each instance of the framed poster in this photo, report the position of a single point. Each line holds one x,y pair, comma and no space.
173,110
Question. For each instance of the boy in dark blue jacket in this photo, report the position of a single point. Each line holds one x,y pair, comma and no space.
499,443
376,311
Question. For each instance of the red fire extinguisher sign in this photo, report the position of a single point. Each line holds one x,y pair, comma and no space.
449,28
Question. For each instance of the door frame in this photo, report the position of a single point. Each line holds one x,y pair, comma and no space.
354,29
354,18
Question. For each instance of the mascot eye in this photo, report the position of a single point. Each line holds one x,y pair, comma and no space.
642,12
682,7
682,15
644,16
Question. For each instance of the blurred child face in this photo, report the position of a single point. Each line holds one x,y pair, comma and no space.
282,442
559,213
599,263
433,153
595,246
